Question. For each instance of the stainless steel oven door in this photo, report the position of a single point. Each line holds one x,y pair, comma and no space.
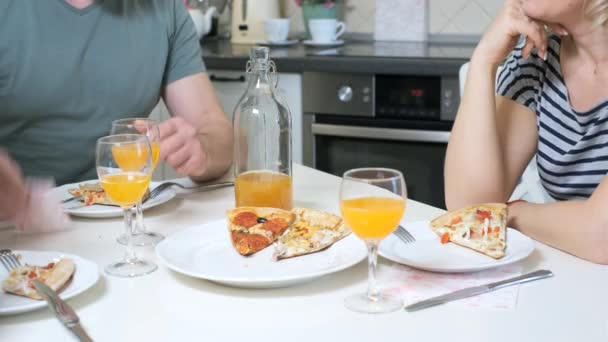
419,154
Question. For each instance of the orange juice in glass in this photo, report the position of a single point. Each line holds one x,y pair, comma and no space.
373,217
372,201
124,168
263,189
131,159
125,188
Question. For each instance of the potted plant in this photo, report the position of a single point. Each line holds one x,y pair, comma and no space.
318,9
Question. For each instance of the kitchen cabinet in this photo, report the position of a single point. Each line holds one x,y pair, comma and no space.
230,86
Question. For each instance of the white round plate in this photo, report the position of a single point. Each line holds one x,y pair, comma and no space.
311,42
104,211
279,43
85,276
205,252
429,254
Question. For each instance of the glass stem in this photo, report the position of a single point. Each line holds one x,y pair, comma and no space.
129,251
139,220
372,253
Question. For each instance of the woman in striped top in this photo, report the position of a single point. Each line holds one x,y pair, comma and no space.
550,101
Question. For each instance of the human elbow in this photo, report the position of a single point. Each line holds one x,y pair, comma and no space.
600,253
598,246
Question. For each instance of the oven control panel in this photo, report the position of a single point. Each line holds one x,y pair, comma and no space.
338,94
434,98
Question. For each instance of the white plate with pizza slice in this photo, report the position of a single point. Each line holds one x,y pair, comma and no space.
206,252
428,253
77,208
85,275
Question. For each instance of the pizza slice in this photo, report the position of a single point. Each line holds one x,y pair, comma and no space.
480,227
93,193
313,231
253,229
55,275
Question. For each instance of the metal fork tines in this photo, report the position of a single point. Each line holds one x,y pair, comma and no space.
166,185
404,235
9,259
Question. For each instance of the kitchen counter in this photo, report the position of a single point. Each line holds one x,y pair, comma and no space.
168,306
353,57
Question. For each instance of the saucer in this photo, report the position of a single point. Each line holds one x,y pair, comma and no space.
279,43
311,42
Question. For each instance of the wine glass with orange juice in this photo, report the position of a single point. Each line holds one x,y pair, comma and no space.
372,201
125,181
128,160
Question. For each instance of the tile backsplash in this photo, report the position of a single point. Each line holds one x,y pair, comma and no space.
462,16
469,17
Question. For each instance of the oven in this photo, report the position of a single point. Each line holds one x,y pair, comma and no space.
400,122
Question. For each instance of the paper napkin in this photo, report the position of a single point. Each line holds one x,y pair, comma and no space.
414,285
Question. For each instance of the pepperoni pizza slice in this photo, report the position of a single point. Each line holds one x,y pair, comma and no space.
253,229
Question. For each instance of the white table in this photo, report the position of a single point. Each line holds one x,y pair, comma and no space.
166,306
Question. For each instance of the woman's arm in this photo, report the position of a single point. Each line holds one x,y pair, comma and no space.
576,227
493,138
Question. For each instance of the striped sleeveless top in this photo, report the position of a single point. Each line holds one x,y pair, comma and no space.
572,151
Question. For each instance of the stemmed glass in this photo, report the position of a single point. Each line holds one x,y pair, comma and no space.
149,128
372,201
124,168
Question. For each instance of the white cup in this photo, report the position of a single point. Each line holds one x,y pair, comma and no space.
276,30
326,30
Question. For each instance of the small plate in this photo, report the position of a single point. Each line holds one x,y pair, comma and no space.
206,252
311,42
279,43
104,211
429,254
85,276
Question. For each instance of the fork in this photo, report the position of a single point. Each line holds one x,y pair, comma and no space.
166,185
9,259
404,235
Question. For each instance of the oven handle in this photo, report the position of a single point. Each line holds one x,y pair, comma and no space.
380,133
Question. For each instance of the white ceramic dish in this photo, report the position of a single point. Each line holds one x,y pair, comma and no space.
310,42
429,254
289,42
104,211
206,252
85,276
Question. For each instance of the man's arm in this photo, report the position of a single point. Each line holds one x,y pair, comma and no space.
197,140
577,227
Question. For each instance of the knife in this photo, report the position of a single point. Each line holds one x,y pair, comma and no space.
476,290
63,311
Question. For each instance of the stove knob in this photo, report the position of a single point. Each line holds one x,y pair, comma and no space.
345,94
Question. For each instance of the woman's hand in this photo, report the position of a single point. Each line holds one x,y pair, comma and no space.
503,34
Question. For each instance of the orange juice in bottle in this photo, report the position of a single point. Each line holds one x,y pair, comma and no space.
262,139
263,189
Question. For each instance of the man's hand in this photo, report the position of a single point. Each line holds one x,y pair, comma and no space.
13,191
181,147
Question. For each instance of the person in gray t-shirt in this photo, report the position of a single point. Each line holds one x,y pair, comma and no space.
68,68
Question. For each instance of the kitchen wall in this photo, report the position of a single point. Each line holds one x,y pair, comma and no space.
469,17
